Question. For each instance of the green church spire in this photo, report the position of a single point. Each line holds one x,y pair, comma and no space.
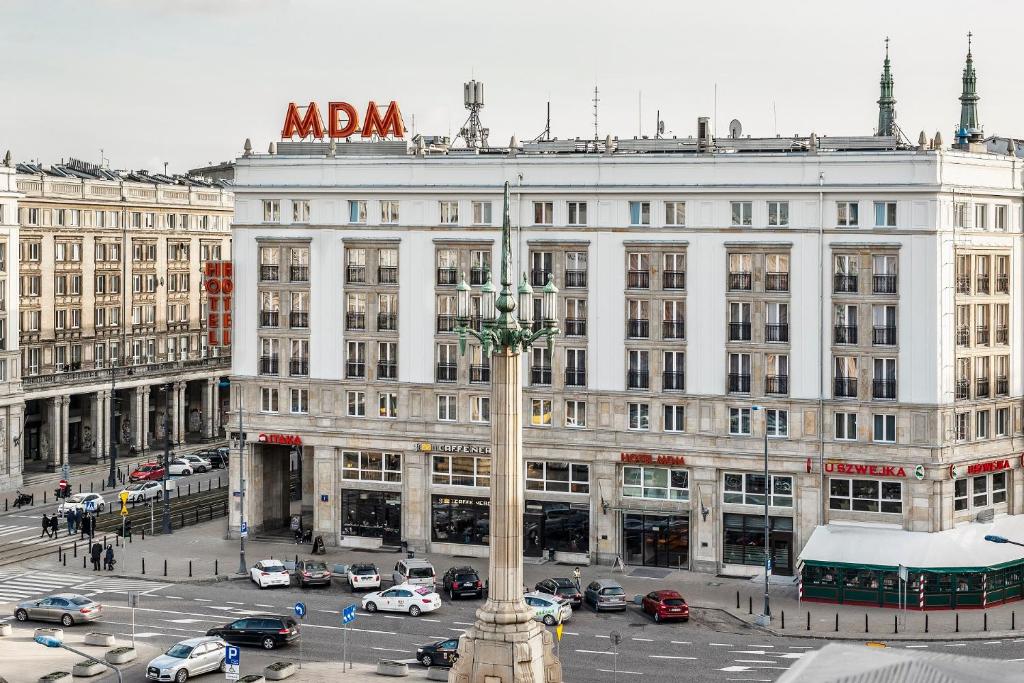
886,102
969,130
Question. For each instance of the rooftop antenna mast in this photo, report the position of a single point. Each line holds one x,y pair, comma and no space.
546,134
659,126
473,131
595,100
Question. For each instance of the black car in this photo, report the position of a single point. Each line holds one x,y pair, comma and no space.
441,653
312,573
267,631
563,588
218,457
462,582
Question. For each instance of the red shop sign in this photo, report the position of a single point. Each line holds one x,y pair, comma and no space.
281,439
984,467
864,469
651,459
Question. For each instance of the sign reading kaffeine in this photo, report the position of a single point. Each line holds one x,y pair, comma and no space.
342,121
218,280
472,449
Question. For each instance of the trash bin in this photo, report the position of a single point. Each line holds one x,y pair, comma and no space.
551,554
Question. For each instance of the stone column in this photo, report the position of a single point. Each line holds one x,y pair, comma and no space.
95,426
172,405
103,435
326,515
138,419
215,412
65,414
52,432
182,415
208,408
506,645
146,441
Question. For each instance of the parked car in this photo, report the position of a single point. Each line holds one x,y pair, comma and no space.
188,658
269,573
441,653
563,588
403,598
548,608
149,471
415,572
462,582
180,467
605,594
141,491
265,630
67,608
198,464
218,457
665,605
363,576
89,502
312,573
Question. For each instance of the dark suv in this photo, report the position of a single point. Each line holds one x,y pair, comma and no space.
218,457
264,630
462,582
563,588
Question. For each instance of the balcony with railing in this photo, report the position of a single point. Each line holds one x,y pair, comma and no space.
540,375
575,377
298,273
270,273
479,374
740,281
884,284
638,279
268,365
982,286
673,329
387,275
962,390
638,328
1002,386
445,323
638,379
844,284
776,384
844,334
777,332
776,282
298,367
576,327
446,276
387,370
355,321
575,278
883,335
981,387
739,383
963,335
447,372
883,388
298,320
673,381
673,279
1002,284
981,335
539,277
963,284
844,387
355,369
739,331
270,318
387,322
355,275
1002,334
477,275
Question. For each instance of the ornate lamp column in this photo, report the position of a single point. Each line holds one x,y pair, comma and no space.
506,645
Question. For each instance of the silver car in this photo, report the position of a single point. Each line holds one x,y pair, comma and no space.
67,608
188,658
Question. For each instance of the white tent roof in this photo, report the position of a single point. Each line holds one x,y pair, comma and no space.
963,547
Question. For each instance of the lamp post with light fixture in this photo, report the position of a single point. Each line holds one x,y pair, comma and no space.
766,614
505,644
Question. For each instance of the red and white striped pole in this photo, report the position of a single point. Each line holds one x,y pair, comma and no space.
920,593
799,589
984,590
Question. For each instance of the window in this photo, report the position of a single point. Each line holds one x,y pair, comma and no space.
639,213
300,210
461,470
1002,421
575,413
371,466
449,213
356,401
865,495
271,212
389,212
387,404
559,477
357,211
481,213
675,213
577,213
778,214
543,213
846,426
885,214
540,412
639,416
777,422
884,428
981,424
268,399
675,418
300,401
961,426
1000,219
749,489
981,216
739,421
742,213
447,408
655,482
480,409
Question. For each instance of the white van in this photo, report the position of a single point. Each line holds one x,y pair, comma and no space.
416,572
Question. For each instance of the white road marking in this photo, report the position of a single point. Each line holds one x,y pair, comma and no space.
595,652
601,636
149,634
434,620
259,605
388,649
747,652
721,645
669,657
643,640
755,661
173,597
392,616
228,602
992,642
187,621
628,673
1019,659
570,633
462,623
796,655
681,642
735,668
955,644
915,646
202,600
801,647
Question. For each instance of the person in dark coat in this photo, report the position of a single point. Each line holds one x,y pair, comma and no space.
46,525
54,526
95,553
69,517
83,522
108,558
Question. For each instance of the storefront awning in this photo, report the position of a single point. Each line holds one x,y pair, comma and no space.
962,549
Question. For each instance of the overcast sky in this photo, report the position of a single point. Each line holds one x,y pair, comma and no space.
186,81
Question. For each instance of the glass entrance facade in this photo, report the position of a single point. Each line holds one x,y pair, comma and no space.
743,541
654,540
372,514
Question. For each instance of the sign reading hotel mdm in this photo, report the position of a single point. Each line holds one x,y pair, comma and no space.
342,121
651,459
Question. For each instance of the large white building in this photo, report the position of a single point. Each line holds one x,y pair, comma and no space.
863,292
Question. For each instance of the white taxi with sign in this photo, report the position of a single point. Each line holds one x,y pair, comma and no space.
88,502
548,608
141,491
404,597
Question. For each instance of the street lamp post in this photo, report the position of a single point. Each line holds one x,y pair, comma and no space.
505,644
167,460
50,641
1001,539
767,613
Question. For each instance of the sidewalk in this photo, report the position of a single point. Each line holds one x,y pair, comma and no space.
202,554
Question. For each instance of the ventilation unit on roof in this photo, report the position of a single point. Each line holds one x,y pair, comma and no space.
704,133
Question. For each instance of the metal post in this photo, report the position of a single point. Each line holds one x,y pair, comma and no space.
167,461
344,651
767,494
93,659
242,566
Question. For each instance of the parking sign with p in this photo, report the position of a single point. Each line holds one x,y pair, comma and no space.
232,662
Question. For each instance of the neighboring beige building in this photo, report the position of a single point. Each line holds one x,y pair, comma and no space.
112,310
11,402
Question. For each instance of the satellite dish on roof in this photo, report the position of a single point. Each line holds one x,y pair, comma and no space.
735,129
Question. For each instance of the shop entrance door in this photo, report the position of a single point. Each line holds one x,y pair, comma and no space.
533,534
656,540
781,543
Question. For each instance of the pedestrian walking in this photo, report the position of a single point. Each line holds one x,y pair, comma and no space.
108,558
78,518
54,526
95,553
81,522
46,525
70,519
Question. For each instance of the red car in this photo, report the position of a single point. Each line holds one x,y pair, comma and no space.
149,471
665,605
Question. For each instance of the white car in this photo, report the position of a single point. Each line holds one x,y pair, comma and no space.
179,466
548,608
196,463
187,659
403,598
89,502
269,573
141,491
363,576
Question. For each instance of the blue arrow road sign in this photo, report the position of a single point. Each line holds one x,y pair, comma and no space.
232,655
300,609
348,614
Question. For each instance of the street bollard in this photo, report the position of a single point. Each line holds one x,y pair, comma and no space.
926,622
895,623
984,621
837,622
190,489
808,621
1013,621
90,487
182,524
65,559
79,488
44,496
117,541
83,561
5,505
750,606
865,622
197,515
225,508
216,567
783,620
75,549
737,599
165,567
143,565
103,485
957,629
190,569
218,481
143,533
58,553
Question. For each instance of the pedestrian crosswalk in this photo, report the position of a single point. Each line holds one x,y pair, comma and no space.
113,584
18,585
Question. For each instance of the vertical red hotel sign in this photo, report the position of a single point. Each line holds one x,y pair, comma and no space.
218,278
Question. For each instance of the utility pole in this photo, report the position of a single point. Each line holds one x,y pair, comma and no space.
242,530
167,459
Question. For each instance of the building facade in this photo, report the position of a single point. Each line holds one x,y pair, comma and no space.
111,316
11,398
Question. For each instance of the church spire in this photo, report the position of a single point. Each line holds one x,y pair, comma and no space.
886,102
969,129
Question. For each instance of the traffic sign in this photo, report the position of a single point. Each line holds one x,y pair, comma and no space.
232,662
123,496
90,506
124,511
300,610
348,614
558,631
244,531
63,484
65,471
